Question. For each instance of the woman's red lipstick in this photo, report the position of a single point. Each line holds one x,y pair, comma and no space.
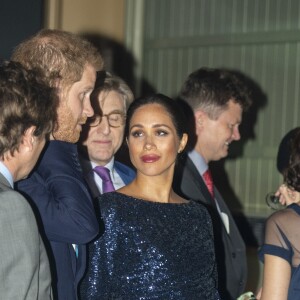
149,158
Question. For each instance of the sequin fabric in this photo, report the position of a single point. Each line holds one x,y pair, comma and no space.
151,250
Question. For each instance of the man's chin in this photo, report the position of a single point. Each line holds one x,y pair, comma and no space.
225,154
67,136
222,155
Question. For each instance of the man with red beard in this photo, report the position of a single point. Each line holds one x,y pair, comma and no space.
56,188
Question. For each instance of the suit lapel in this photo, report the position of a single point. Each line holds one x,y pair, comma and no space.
192,182
4,184
123,172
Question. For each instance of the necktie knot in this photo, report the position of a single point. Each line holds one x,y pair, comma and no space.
104,173
209,182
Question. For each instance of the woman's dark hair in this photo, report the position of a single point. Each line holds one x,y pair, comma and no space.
292,172
171,106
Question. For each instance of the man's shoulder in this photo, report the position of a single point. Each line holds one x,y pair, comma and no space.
185,168
4,184
120,167
58,151
13,203
59,158
184,161
11,196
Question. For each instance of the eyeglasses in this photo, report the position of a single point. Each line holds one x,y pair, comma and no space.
114,120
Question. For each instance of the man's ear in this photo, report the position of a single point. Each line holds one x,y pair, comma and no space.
29,138
200,117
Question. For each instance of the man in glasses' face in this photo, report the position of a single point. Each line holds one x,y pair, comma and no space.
102,134
105,132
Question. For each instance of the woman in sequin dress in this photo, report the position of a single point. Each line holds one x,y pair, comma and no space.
156,245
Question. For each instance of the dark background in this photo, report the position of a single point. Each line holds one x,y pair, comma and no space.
19,19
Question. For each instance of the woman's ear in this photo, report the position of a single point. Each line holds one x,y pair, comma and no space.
183,142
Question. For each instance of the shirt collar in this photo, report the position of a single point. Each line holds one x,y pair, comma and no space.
109,166
198,161
6,173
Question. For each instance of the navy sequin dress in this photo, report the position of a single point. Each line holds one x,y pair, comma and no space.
151,250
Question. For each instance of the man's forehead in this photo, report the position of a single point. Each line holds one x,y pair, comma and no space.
235,110
111,99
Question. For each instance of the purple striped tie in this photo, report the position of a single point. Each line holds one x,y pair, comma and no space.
107,185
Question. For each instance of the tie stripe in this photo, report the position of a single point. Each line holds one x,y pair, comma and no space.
209,182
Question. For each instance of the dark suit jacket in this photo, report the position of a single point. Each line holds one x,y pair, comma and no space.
126,173
24,267
59,193
230,248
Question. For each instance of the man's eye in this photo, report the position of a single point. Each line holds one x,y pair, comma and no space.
82,96
114,117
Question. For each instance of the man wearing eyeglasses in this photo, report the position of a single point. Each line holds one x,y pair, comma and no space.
103,135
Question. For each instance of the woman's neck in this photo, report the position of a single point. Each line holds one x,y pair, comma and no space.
152,188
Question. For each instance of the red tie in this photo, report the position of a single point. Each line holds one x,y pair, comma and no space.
209,182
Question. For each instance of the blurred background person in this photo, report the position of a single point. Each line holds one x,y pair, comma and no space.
281,249
27,116
156,245
284,150
214,100
56,187
103,135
